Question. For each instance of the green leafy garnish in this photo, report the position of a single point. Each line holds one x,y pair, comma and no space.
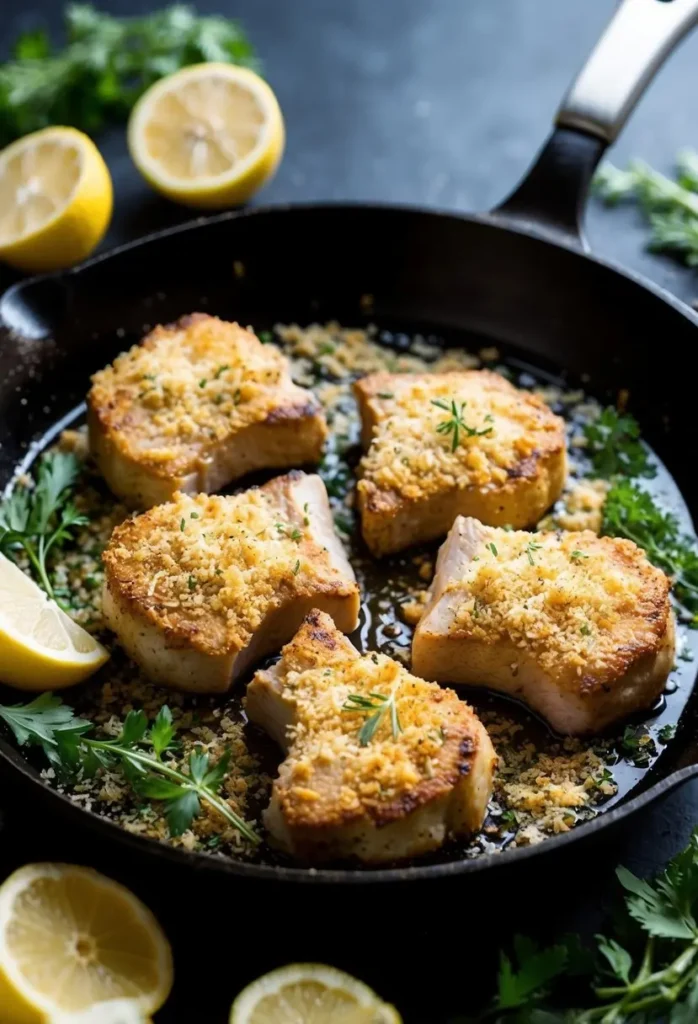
455,425
106,64
614,446
378,705
631,512
671,207
645,973
40,518
142,753
531,549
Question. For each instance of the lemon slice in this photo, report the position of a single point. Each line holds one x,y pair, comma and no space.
209,135
41,648
55,199
311,994
77,947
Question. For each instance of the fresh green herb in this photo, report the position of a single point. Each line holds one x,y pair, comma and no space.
508,819
614,446
143,754
220,370
671,207
637,745
631,512
531,549
193,515
218,399
191,582
296,568
578,556
492,547
379,705
646,974
42,518
182,525
344,522
385,394
455,423
585,629
666,733
106,64
237,395
266,337
203,382
326,349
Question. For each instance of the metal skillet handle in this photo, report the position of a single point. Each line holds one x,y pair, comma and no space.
637,41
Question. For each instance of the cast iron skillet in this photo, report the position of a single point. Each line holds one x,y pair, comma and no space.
520,276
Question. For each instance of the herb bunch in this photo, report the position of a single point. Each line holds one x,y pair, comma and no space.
614,446
143,753
646,972
106,64
42,518
671,207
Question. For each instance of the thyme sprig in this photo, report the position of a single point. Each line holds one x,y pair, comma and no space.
143,752
455,425
378,705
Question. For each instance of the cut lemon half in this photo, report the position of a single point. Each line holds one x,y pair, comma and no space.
41,648
313,994
210,135
77,947
55,199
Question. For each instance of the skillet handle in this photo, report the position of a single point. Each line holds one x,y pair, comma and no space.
640,36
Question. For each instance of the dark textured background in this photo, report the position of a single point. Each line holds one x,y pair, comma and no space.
438,104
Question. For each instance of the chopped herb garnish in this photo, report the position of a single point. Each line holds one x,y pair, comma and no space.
614,446
531,549
385,394
666,733
492,547
455,424
296,568
182,525
378,705
203,382
193,515
326,349
220,370
237,395
191,582
578,556
265,337
585,629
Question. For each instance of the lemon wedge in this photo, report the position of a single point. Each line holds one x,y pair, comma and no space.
41,648
78,947
210,135
311,993
55,199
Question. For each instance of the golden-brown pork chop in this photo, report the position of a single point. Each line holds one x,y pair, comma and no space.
447,444
197,404
198,589
579,627
355,786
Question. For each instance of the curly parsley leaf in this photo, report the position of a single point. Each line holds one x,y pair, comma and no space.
614,447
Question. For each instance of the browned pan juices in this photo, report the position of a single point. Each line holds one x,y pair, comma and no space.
546,784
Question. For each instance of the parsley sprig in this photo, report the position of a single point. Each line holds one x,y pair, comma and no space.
106,64
632,513
646,972
43,517
377,705
455,425
613,443
143,753
671,207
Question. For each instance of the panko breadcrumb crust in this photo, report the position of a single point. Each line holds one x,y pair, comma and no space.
544,785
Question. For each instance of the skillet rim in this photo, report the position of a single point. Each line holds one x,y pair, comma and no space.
14,762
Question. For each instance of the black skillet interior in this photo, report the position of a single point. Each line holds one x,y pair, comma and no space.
470,281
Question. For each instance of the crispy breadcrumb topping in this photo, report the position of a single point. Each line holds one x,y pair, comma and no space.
571,598
413,453
326,737
188,386
218,563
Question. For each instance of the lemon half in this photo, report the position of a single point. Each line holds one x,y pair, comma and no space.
78,947
209,135
55,199
41,648
312,993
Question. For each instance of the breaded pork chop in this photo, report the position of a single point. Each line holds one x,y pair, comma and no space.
579,627
352,786
198,589
447,444
197,404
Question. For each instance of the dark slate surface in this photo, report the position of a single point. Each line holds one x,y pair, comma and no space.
440,105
